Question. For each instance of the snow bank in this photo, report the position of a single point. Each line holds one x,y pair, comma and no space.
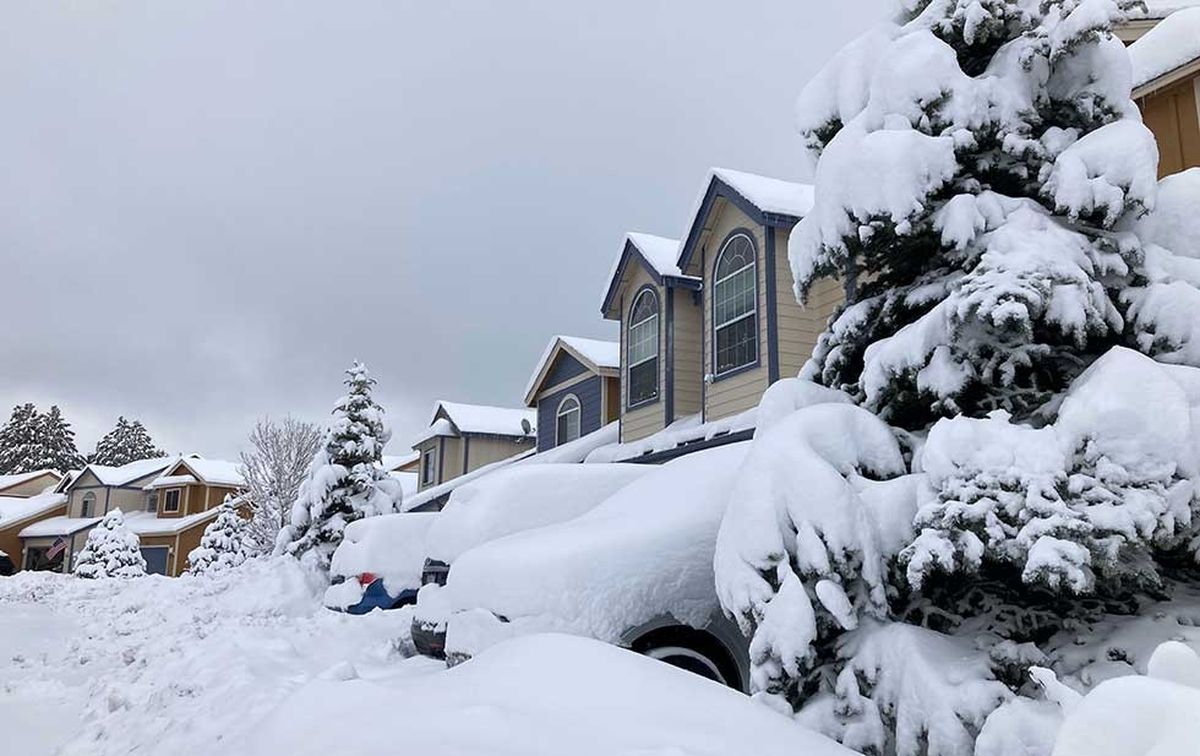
544,695
644,552
520,498
1139,716
390,546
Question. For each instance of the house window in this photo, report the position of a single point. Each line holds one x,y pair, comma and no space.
427,467
643,348
567,427
89,505
152,502
171,500
735,306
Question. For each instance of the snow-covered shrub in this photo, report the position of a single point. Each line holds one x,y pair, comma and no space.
112,550
979,168
223,544
345,481
1079,507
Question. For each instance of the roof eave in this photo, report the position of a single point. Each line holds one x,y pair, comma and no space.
1162,81
719,188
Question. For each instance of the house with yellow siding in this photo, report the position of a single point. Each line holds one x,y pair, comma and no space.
715,313
1166,85
462,438
167,502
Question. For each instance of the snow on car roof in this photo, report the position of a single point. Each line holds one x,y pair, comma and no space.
15,508
544,695
1173,43
484,419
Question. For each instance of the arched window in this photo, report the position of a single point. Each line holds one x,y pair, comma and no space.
643,348
735,306
89,504
567,427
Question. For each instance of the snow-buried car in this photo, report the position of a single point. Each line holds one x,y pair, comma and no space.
636,571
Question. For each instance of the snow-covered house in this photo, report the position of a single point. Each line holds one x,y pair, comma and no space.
1166,86
17,513
167,502
575,388
708,323
24,485
465,437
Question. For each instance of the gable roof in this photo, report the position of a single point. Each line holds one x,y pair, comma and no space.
15,509
16,479
211,472
483,420
767,201
600,357
1167,53
657,254
393,462
126,474
1164,8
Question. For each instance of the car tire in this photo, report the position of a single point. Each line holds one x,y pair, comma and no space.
689,660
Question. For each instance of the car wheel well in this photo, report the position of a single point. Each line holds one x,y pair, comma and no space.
698,641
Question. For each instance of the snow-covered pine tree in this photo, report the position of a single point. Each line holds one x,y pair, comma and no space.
973,163
112,551
128,442
223,544
20,445
58,443
345,481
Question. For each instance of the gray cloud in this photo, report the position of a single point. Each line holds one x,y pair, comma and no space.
208,209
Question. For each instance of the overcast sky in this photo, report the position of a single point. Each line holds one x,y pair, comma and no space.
208,209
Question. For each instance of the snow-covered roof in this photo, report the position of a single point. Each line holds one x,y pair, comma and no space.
393,462
686,430
774,200
210,472
1171,45
482,419
119,476
597,355
167,481
13,509
439,427
16,479
58,526
150,524
1164,8
657,254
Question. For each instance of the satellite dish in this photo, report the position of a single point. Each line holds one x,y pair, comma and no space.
526,426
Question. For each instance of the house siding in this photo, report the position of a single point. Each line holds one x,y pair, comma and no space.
689,354
590,395
30,487
565,368
1173,115
740,391
800,325
485,450
10,541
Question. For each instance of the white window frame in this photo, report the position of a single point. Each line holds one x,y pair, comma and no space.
428,464
560,413
167,500
752,313
655,319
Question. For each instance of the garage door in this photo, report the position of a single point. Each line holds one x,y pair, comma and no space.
156,559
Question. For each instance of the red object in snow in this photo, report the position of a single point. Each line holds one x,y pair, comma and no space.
366,579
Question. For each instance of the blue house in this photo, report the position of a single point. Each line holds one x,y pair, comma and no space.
576,389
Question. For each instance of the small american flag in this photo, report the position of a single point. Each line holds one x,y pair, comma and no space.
60,545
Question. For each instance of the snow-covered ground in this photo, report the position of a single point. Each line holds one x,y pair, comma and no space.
247,661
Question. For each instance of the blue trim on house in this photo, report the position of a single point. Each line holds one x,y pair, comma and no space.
772,310
590,395
628,253
669,370
441,459
718,188
626,318
466,453
712,305
703,361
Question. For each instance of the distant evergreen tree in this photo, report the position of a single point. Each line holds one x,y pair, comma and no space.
128,442
345,480
223,544
112,550
57,447
19,443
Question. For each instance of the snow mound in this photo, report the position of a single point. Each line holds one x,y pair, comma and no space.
390,546
544,695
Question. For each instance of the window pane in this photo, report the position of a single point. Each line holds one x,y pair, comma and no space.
643,341
734,297
737,344
643,381
568,426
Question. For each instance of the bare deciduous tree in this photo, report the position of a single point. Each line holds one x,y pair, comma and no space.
273,468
